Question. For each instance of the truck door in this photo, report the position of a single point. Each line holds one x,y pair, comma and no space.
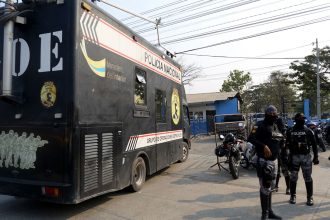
163,150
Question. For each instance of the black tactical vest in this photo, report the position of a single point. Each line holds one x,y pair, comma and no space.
299,141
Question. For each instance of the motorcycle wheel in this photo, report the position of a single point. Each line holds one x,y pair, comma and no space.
322,145
233,166
245,162
247,157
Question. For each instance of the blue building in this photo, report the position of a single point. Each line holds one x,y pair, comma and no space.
203,107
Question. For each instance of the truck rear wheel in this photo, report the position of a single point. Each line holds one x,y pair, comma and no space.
138,174
185,152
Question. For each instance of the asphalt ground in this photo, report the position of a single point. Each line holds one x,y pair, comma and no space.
191,190
239,199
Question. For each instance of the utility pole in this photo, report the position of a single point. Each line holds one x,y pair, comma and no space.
318,95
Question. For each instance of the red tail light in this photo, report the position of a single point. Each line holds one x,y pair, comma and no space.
50,191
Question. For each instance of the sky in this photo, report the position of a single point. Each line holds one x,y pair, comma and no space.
236,26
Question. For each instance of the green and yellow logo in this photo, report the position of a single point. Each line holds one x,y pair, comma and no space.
98,67
175,107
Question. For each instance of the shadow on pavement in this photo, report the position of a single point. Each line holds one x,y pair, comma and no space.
219,198
284,209
20,208
212,175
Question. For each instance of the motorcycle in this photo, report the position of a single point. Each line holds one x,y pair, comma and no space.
325,128
249,156
318,135
230,150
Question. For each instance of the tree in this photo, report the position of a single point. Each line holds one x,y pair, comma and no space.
280,87
304,76
237,81
277,87
190,72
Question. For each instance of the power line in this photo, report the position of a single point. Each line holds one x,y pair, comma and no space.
244,18
259,68
271,53
169,11
155,9
322,19
254,58
246,25
223,77
213,18
201,14
178,10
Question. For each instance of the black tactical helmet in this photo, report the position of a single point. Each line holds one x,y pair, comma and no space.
300,116
271,110
230,138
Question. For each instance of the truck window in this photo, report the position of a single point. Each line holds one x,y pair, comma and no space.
140,87
233,118
186,114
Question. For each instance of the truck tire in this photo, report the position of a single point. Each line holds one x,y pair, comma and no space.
138,174
185,152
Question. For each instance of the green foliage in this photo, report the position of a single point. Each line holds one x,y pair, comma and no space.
237,81
304,76
276,88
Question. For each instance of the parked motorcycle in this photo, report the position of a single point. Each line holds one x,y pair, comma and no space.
325,128
318,135
230,150
249,156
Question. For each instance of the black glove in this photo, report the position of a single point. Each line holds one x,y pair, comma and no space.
316,160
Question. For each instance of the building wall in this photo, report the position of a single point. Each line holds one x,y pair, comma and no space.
229,106
202,125
202,109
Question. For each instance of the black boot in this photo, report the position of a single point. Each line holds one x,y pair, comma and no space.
276,183
293,186
264,201
271,214
287,182
309,189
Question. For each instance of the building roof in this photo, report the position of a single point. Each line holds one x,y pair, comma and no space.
209,97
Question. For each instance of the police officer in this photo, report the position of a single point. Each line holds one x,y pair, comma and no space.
282,159
267,139
299,140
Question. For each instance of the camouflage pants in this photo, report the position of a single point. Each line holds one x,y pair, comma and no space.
283,166
305,162
265,181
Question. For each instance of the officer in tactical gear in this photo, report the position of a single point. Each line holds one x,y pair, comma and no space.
299,140
267,140
282,159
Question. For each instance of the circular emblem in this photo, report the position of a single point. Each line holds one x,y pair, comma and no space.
48,94
175,107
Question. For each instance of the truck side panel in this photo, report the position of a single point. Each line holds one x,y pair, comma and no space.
110,60
35,134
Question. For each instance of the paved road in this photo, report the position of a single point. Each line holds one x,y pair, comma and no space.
190,190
